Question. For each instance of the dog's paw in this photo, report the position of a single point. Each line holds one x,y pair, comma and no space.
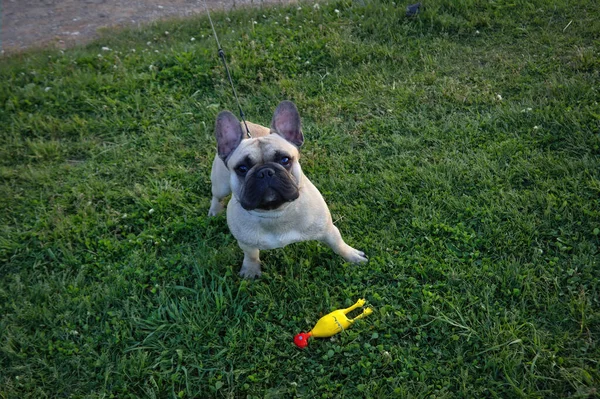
250,271
216,207
356,256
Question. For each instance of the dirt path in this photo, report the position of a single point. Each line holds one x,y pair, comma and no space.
62,23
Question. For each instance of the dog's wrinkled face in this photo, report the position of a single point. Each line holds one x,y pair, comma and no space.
264,171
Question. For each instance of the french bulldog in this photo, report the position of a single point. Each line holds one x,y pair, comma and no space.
273,203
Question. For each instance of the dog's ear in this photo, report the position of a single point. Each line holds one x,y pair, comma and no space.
286,123
229,134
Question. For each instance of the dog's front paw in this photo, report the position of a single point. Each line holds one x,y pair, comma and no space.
250,270
250,273
216,207
355,256
214,212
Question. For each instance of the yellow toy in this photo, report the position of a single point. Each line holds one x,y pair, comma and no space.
332,324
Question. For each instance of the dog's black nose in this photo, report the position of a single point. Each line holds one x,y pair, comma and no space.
265,172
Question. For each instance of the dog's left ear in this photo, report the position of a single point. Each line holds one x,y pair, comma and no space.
286,123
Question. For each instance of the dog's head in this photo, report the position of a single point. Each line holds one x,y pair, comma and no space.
264,171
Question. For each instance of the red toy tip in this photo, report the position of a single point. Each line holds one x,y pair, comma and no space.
301,340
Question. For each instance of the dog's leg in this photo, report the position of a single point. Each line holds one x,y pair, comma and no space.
334,239
251,264
219,177
216,204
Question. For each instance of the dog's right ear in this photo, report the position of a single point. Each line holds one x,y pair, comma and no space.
229,134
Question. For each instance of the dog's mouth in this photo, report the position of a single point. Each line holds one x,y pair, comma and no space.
272,200
275,201
268,188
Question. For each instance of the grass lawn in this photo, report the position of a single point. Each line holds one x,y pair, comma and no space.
459,149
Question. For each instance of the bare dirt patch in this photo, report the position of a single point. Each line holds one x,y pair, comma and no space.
63,23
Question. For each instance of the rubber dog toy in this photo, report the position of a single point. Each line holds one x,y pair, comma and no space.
331,324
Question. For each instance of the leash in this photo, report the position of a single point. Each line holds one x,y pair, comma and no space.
222,55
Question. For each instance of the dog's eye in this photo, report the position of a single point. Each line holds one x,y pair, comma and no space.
242,169
285,161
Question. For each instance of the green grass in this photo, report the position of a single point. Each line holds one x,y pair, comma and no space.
459,149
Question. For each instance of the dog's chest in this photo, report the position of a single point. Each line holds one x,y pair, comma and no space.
271,240
268,233
272,230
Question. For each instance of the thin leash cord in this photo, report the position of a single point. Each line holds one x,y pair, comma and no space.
222,55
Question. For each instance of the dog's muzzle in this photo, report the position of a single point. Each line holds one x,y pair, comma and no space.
268,187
